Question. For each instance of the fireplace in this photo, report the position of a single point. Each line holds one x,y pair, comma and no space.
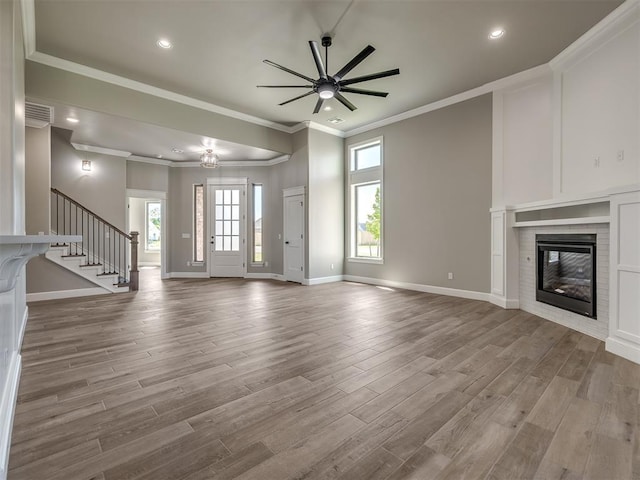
566,272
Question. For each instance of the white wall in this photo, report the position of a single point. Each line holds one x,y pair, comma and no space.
524,117
12,183
600,115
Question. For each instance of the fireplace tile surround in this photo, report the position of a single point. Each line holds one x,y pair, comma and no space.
599,327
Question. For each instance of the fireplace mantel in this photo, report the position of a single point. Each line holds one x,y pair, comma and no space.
615,215
17,250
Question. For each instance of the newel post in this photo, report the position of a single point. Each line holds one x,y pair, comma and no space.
133,274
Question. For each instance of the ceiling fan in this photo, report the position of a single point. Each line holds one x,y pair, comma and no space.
330,86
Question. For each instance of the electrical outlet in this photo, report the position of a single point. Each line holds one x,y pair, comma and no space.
596,162
620,155
332,266
266,264
188,263
450,276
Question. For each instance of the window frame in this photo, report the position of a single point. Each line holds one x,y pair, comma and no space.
254,262
194,243
146,226
357,178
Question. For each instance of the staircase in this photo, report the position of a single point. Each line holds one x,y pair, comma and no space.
102,257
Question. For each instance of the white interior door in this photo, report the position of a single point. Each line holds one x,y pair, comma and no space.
294,238
227,230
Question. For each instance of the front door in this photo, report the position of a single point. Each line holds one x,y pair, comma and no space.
227,230
294,238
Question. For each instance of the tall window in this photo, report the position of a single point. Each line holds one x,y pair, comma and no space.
198,223
365,201
257,223
152,226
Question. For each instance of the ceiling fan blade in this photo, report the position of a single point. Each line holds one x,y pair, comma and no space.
318,59
288,70
373,76
368,50
364,92
345,102
297,98
284,86
318,105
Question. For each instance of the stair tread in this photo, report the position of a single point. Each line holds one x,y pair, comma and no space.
77,255
91,265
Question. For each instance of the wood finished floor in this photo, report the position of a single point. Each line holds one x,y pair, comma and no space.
259,379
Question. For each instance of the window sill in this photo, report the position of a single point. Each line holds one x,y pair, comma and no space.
197,264
375,261
152,251
256,264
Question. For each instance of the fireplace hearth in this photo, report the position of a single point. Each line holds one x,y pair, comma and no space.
566,272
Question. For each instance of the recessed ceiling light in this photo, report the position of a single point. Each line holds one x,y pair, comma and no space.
158,156
164,43
497,33
327,108
177,150
72,120
335,120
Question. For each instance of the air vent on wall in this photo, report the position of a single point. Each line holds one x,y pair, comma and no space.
38,116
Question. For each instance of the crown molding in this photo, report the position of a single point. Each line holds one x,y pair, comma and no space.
103,151
534,73
623,17
28,8
222,163
103,76
311,125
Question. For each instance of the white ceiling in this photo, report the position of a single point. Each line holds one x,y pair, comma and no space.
441,47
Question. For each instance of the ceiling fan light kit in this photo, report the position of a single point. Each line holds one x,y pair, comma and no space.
327,86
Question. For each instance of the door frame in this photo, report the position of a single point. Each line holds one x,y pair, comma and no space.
223,181
153,195
292,192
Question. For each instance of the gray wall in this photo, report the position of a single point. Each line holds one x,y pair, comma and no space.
37,180
437,195
147,176
102,190
180,206
325,205
293,173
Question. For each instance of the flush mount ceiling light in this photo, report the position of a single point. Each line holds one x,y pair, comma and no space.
164,43
209,159
177,150
328,86
72,120
497,33
86,165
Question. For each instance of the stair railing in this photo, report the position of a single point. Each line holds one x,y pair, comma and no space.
103,245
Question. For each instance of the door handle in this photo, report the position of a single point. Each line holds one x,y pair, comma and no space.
287,242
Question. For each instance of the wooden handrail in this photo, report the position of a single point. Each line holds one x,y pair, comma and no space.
58,192
102,244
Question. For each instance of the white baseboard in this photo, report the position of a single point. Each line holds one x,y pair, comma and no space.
263,276
622,348
277,276
321,280
188,275
79,292
7,411
507,303
451,292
